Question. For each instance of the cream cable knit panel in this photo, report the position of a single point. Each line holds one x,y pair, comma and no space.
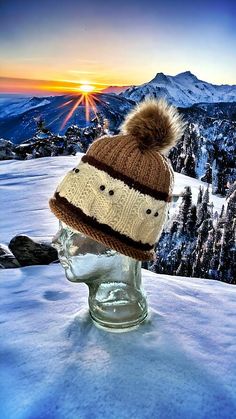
124,210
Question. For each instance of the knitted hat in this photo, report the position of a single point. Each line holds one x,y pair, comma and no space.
119,193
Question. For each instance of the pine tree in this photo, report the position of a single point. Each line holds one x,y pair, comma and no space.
188,168
207,253
184,268
220,175
191,221
174,227
215,172
205,197
42,131
207,177
227,258
200,194
195,137
214,262
203,210
222,213
185,207
203,232
173,156
180,162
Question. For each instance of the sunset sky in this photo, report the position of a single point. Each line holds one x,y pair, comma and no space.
53,45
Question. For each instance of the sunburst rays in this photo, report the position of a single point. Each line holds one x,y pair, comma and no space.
86,99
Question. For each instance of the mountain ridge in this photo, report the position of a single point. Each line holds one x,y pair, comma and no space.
183,89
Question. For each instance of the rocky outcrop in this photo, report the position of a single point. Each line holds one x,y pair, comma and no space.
7,259
7,150
29,252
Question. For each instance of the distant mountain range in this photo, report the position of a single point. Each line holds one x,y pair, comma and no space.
115,89
184,89
18,115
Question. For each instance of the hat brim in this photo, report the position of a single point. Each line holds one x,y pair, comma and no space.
64,212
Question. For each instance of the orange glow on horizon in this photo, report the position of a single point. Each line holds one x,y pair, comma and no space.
33,86
83,88
79,93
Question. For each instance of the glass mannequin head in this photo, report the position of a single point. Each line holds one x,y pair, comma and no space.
116,299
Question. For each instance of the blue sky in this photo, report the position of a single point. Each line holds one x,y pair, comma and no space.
117,42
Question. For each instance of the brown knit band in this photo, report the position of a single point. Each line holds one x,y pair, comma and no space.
160,195
75,218
91,221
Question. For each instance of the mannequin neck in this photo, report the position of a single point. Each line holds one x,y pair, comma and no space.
116,300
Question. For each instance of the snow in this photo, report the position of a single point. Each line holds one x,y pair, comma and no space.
27,186
55,363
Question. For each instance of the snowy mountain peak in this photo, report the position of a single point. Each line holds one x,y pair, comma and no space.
160,78
186,75
186,79
184,90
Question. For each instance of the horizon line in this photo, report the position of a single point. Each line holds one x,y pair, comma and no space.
31,86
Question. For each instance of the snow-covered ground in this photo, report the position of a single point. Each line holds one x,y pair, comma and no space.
26,186
56,364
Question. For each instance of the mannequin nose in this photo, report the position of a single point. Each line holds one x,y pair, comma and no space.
56,243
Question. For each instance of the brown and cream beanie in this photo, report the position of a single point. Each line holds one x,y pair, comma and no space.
120,192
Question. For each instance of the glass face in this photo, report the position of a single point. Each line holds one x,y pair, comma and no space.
80,256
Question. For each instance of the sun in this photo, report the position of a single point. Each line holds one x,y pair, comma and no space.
86,88
88,97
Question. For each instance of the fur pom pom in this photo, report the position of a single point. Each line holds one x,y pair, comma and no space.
155,124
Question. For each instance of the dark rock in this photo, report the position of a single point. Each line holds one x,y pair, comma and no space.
7,259
29,252
7,150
